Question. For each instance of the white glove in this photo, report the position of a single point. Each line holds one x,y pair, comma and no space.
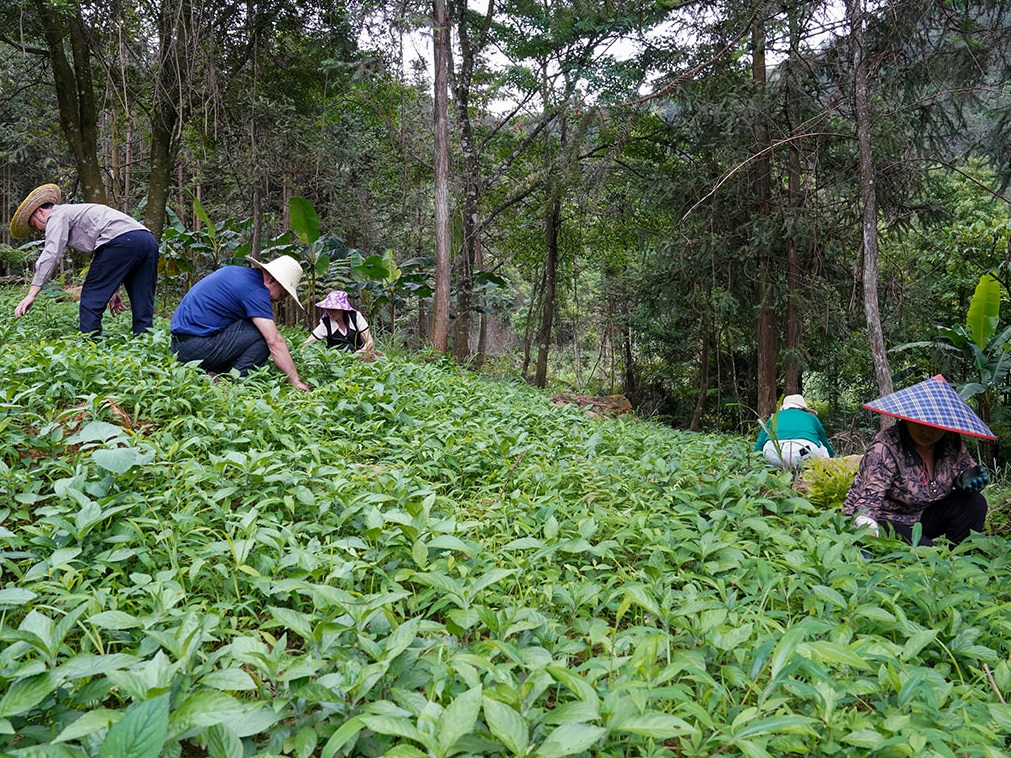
868,522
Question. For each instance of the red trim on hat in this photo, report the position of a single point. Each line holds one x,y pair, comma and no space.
933,426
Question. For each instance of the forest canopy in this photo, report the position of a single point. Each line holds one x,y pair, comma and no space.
701,205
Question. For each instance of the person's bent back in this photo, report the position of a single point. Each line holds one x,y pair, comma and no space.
226,320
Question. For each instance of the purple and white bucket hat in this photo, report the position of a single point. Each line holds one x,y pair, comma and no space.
336,300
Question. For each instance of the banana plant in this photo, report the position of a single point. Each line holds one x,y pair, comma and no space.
981,348
316,249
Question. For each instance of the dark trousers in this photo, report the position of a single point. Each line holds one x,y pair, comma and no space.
955,516
130,259
239,346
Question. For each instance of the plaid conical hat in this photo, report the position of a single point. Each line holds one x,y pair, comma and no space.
933,402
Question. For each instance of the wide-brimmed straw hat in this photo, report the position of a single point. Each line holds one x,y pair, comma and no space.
47,193
796,401
336,300
933,402
286,270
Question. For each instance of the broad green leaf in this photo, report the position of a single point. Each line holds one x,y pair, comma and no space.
119,460
201,213
490,578
222,742
304,742
96,431
344,734
89,723
203,709
984,311
507,725
15,596
569,739
114,620
777,725
866,738
88,665
25,694
1001,713
785,648
831,652
303,219
141,732
458,719
228,680
524,543
658,726
917,641
448,542
579,686
395,727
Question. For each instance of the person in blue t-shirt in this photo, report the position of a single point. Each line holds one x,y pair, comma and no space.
793,434
226,321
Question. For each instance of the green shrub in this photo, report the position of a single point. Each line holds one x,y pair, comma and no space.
827,480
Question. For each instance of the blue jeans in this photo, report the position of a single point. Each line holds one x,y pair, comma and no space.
130,259
239,346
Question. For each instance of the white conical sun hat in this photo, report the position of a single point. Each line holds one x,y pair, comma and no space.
286,270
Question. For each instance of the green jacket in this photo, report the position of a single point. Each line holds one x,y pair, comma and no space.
794,424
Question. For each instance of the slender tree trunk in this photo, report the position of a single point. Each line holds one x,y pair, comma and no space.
440,300
630,383
702,380
173,57
768,347
791,359
75,94
528,329
471,220
551,223
868,199
482,337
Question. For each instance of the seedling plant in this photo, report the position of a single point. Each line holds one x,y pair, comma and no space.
415,561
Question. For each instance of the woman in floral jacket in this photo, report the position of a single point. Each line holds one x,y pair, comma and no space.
920,471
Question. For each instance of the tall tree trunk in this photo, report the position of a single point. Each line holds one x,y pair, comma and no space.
868,198
528,329
791,358
471,220
551,223
75,94
170,81
702,380
768,342
482,336
440,299
630,383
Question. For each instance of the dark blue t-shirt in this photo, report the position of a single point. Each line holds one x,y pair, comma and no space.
220,299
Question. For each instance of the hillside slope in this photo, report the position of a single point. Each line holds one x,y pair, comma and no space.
412,560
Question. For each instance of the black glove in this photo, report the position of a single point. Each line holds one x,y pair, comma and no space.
973,479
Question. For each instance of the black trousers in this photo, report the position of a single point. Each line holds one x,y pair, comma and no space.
130,259
239,346
955,516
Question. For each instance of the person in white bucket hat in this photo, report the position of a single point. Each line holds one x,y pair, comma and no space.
226,321
792,435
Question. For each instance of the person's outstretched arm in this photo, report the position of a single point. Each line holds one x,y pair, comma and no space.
279,351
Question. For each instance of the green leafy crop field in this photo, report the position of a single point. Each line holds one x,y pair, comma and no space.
415,561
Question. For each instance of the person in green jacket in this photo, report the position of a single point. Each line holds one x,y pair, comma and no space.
793,434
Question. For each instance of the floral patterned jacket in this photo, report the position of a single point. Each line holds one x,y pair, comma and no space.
892,484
